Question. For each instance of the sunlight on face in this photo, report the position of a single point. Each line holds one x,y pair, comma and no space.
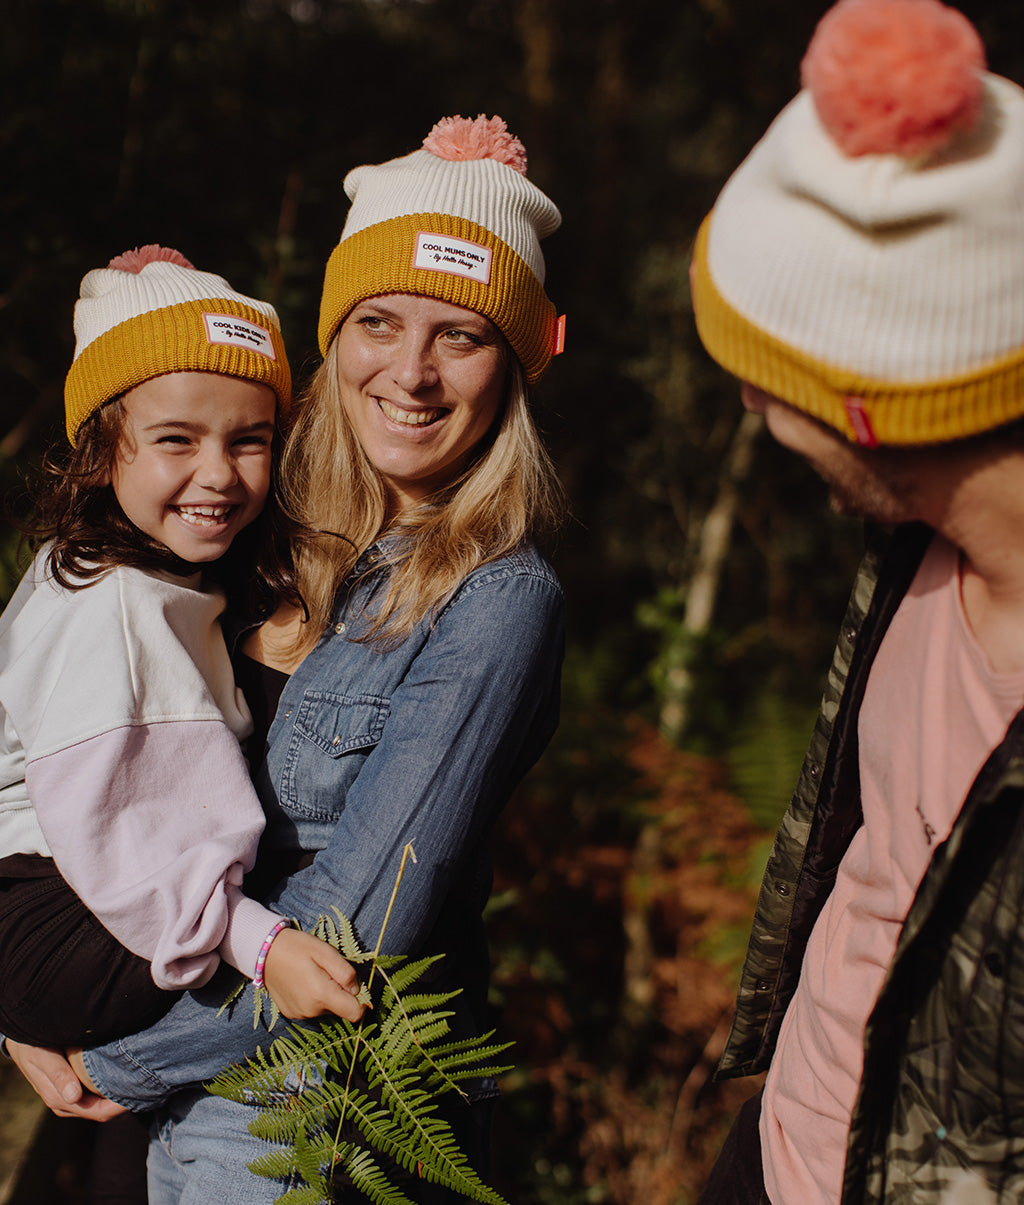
422,383
192,468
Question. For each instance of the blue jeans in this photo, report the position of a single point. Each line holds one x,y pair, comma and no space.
199,1153
201,1146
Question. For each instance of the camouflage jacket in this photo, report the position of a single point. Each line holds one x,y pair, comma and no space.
941,1103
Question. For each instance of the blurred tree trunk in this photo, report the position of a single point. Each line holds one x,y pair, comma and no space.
701,591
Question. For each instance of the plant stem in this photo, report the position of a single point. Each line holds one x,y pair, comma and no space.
407,853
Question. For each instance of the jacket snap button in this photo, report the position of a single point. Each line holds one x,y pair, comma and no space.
339,628
782,888
336,741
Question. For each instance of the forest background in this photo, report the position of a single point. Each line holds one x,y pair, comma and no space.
704,574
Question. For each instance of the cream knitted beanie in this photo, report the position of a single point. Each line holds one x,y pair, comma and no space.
150,312
866,262
456,220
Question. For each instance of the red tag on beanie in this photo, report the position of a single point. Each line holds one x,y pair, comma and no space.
863,432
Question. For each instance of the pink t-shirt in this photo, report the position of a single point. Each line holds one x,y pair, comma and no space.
932,713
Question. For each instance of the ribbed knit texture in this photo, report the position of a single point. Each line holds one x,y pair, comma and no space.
821,277
480,200
131,326
914,413
378,260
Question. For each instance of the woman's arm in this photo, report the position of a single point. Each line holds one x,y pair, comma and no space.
474,710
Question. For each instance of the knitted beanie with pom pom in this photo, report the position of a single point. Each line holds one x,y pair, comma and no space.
456,220
866,262
150,312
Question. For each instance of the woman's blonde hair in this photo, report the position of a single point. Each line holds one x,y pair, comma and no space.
507,493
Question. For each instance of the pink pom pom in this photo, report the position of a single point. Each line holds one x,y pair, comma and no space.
135,261
894,76
484,138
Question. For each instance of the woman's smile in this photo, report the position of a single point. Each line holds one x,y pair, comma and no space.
408,417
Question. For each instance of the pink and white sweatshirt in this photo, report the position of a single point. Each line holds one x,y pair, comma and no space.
119,757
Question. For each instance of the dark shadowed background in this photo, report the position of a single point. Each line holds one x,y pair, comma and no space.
703,572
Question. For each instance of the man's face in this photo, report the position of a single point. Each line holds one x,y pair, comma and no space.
871,483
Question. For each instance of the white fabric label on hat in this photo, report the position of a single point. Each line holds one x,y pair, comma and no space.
226,328
441,253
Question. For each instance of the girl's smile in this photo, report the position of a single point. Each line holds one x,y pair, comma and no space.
193,464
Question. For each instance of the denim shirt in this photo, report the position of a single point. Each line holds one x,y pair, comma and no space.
372,748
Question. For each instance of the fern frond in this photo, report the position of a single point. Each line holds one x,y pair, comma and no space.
234,995
278,1164
398,976
305,1194
367,1176
340,933
487,1071
335,1099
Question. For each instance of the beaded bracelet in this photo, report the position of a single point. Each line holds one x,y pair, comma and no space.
261,958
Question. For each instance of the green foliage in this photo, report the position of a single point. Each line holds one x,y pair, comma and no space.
766,754
686,669
350,1104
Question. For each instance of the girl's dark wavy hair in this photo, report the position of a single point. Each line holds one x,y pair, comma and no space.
77,510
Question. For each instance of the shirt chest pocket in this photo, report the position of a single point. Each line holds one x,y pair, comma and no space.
332,736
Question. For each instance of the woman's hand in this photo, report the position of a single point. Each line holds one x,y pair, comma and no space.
59,1088
306,978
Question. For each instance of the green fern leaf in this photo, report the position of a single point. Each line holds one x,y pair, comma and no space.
366,1176
355,1106
305,1194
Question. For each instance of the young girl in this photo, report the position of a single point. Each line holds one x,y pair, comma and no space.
127,819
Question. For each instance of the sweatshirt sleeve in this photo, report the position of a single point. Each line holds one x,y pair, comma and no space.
153,826
136,777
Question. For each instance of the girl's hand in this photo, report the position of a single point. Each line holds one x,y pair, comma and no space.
306,978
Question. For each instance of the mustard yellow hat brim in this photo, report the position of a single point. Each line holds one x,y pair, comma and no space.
863,409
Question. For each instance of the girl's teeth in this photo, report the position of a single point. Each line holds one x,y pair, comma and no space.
409,418
203,516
